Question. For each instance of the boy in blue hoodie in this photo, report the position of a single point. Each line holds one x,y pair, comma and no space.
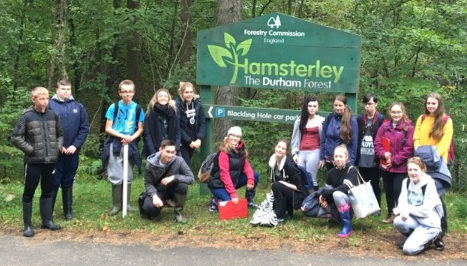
75,127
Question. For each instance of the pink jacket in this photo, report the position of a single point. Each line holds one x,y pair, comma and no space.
401,145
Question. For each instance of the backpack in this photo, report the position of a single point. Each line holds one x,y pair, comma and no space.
307,181
451,145
204,173
310,205
423,187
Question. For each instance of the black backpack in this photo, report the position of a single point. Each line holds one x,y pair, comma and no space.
204,173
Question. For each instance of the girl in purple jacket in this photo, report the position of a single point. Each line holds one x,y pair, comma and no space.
398,131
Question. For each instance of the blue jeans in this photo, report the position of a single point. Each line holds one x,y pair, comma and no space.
223,195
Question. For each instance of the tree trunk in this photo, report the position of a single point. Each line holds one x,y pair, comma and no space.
76,70
186,48
57,59
229,11
112,79
20,44
133,51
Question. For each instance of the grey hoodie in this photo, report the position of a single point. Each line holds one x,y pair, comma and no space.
427,209
154,171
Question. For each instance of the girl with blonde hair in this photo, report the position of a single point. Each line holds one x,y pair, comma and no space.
161,122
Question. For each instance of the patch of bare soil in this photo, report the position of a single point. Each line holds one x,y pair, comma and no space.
381,246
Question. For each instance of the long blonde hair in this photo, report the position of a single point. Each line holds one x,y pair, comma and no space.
153,101
226,146
182,88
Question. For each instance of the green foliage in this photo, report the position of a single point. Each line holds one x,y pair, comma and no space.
10,157
410,48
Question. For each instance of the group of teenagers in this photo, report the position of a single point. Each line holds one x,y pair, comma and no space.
373,146
51,133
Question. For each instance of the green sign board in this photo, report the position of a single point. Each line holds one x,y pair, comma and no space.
279,52
251,114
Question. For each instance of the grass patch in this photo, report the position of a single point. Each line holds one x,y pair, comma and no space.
92,200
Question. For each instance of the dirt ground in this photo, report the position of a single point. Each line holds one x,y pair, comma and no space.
382,246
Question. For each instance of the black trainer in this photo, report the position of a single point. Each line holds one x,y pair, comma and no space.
439,243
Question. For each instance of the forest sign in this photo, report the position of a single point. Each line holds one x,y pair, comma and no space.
280,52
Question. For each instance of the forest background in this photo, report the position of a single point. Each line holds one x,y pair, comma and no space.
410,48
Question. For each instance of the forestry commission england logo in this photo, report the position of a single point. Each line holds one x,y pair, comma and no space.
274,22
230,54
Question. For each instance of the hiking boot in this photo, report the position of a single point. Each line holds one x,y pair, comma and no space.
439,243
213,205
389,219
250,195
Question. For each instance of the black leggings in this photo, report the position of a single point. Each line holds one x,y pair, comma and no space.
283,199
393,186
373,175
34,173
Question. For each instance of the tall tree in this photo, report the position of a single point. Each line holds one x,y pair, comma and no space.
186,48
59,32
133,58
229,11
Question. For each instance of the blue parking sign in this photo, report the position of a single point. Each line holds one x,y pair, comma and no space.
220,112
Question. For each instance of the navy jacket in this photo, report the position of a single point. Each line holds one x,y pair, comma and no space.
74,119
331,138
189,132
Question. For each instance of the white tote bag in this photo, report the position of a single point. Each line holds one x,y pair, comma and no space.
363,199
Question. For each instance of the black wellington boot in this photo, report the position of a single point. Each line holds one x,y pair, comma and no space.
27,214
54,198
67,198
46,215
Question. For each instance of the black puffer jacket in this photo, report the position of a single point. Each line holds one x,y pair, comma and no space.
236,165
39,136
